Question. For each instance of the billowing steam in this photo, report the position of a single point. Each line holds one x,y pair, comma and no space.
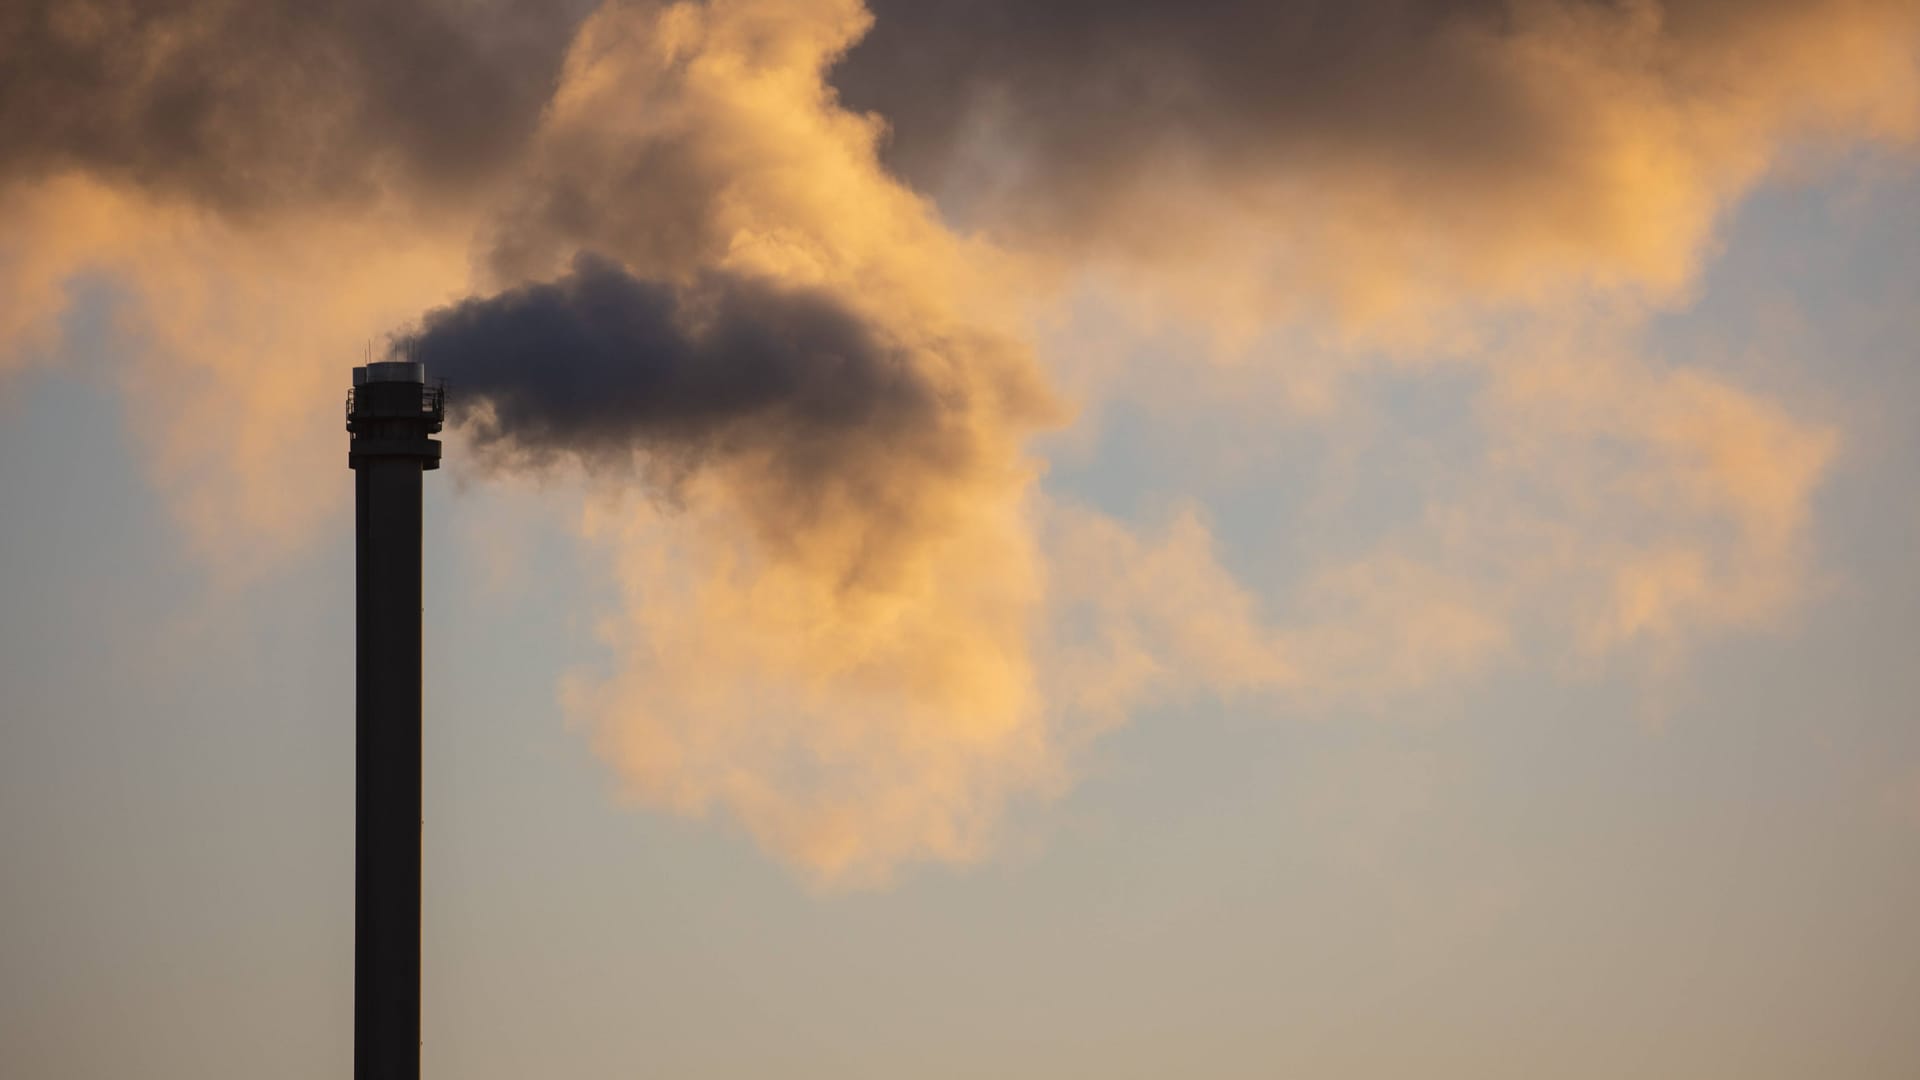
773,273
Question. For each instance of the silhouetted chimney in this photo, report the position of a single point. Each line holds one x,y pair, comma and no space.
391,412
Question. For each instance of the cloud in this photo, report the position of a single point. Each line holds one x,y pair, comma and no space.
1379,163
828,581
1589,510
241,333
258,106
798,349
848,728
864,568
1677,503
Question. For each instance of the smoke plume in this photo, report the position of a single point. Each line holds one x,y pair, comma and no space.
262,105
792,281
1379,162
599,362
732,371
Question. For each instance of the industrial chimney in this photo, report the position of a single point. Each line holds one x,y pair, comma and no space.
391,412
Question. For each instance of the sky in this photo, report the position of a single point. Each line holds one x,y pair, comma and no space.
1037,540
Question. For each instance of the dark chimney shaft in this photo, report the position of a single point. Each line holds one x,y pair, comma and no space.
391,412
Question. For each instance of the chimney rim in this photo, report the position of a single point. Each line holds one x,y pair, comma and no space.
400,371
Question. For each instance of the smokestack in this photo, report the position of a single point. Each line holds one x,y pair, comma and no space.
390,412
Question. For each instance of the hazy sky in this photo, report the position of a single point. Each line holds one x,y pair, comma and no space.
1140,540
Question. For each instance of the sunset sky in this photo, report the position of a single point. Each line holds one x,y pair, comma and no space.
978,538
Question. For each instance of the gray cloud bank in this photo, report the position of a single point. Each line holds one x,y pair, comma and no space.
261,103
1382,145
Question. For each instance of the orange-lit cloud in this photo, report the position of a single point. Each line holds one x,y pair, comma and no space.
242,327
838,658
868,661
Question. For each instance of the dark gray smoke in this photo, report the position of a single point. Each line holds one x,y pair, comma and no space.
1087,91
1053,112
614,370
259,103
